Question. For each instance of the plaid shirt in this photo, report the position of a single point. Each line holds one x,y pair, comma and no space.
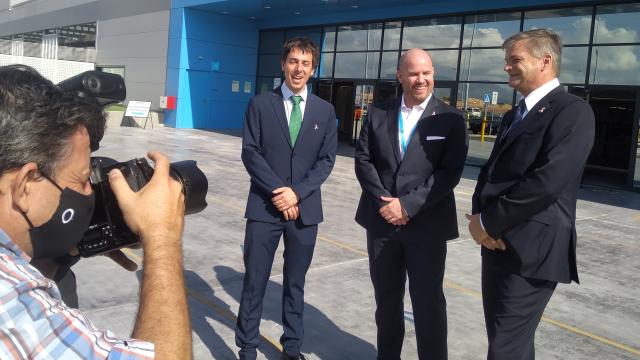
36,324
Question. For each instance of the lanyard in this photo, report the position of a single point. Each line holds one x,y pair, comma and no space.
403,142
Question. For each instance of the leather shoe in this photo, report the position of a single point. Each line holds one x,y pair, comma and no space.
286,356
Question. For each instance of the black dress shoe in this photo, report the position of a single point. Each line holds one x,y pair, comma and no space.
286,356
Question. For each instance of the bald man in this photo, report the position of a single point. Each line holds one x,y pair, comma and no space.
409,159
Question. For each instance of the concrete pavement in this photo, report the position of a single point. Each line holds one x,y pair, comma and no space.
599,319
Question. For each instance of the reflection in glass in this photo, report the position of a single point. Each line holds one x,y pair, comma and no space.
269,65
360,65
326,65
265,84
329,39
572,24
618,65
482,65
490,29
359,37
271,41
473,103
432,33
445,63
389,65
636,179
313,34
392,35
574,65
617,24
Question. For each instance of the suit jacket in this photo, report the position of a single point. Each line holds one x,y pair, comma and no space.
425,177
272,161
527,190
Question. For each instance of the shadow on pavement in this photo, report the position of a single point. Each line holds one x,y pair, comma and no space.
323,338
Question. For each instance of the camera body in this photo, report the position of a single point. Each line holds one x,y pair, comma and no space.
108,230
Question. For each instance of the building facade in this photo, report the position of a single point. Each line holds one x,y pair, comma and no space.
214,55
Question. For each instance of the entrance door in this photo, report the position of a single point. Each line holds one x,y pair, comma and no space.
612,159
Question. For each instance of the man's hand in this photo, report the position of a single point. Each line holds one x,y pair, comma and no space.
284,198
157,210
123,260
480,236
393,212
291,213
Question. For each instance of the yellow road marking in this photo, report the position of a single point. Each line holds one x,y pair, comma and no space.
454,286
204,300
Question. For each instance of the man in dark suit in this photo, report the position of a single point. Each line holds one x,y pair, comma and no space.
289,147
524,203
410,157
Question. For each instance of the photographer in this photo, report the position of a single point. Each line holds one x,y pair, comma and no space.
46,202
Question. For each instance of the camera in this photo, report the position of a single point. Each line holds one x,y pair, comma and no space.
108,230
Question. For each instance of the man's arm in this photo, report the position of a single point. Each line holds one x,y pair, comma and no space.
365,169
261,173
445,178
163,316
565,150
320,171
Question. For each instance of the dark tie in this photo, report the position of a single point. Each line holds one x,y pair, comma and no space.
517,117
295,119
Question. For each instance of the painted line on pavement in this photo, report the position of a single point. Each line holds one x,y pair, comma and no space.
477,294
204,300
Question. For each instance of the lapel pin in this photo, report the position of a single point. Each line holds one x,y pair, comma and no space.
542,110
433,113
315,127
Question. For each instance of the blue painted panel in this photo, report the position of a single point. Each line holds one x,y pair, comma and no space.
231,59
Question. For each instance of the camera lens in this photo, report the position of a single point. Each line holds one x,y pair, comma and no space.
194,185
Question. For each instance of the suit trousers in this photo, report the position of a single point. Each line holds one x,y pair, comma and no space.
408,250
260,244
513,307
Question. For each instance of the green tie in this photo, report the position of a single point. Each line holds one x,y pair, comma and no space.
295,120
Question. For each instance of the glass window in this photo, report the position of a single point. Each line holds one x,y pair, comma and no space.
432,33
329,39
573,24
482,65
392,35
389,65
574,65
269,65
271,41
326,65
617,24
313,34
5,45
445,63
619,65
490,29
359,37
470,97
266,84
359,65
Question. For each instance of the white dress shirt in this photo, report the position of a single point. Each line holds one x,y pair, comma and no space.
536,95
410,117
531,100
288,103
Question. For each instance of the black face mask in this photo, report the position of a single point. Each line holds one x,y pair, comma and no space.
66,227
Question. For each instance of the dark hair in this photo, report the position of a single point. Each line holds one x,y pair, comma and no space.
304,45
37,119
539,42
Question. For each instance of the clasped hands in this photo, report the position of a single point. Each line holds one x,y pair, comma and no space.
286,201
392,211
480,235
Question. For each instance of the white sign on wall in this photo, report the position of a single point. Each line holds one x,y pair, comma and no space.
138,109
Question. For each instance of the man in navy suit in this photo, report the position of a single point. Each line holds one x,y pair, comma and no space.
409,158
289,147
524,204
